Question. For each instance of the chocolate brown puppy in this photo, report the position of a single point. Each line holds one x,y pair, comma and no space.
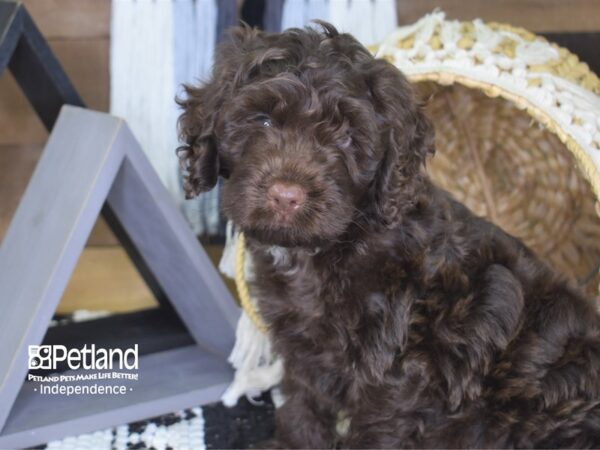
388,300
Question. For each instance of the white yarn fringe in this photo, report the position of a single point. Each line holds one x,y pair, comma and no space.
142,81
257,369
194,42
227,263
156,46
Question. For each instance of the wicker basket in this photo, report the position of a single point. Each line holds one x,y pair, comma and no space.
517,132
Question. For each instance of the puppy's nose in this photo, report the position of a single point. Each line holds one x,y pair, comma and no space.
286,198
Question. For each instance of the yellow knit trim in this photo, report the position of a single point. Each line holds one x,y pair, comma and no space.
566,66
246,301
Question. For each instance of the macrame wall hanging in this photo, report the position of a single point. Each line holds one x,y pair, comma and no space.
156,46
368,20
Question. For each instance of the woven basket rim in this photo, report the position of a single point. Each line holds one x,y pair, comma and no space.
586,164
420,51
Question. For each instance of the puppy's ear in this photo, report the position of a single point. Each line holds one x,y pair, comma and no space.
406,137
198,156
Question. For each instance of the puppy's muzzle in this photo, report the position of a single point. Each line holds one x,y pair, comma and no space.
285,199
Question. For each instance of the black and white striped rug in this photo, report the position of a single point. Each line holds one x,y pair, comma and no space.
207,427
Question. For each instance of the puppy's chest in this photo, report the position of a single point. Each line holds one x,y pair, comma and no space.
296,284
314,308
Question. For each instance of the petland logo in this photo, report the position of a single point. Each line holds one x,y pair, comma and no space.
89,358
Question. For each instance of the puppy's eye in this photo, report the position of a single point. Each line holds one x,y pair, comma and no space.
264,120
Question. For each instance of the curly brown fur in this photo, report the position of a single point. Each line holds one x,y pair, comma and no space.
389,301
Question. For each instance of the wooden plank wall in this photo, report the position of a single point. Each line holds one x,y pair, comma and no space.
78,32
